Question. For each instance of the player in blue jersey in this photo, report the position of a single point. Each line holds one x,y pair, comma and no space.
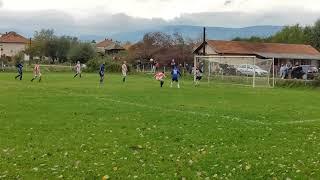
19,68
101,73
175,73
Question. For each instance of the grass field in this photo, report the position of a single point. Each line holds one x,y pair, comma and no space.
74,129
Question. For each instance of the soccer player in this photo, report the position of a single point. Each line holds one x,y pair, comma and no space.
124,69
198,76
36,72
78,70
19,68
173,64
101,73
160,77
175,73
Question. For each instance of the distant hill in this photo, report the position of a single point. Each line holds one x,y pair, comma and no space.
195,32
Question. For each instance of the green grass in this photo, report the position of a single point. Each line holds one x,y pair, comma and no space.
74,129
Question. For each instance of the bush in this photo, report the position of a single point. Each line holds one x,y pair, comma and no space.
81,52
18,58
295,83
317,81
93,65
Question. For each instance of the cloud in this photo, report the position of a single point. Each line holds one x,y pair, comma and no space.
242,19
1,3
226,3
104,24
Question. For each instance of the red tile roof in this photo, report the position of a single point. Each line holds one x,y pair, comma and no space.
238,47
109,45
13,37
105,43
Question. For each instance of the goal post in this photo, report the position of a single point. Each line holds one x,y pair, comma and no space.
238,70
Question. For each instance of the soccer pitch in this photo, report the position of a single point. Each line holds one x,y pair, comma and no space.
74,129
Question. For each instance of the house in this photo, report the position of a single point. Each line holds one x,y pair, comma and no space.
109,47
12,43
281,53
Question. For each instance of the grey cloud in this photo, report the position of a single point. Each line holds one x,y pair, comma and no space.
30,21
104,24
240,19
63,23
226,3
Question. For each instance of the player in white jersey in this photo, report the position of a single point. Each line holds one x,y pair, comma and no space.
36,72
78,70
124,70
160,77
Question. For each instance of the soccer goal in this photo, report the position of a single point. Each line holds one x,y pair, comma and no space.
238,70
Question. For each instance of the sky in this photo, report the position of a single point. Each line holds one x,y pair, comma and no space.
94,16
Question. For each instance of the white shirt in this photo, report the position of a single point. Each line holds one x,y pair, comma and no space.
124,69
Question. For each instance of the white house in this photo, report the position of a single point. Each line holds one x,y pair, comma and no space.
12,43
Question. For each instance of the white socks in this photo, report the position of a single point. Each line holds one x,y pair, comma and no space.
172,85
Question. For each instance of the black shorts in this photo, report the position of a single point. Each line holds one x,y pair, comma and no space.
199,78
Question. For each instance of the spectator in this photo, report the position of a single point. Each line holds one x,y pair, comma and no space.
282,71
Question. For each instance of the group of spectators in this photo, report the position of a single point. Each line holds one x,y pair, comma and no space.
291,72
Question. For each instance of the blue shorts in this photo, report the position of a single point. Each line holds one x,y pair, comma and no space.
175,79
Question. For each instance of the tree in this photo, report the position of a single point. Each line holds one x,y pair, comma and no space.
162,47
315,35
82,52
295,34
64,45
290,34
308,30
253,39
46,44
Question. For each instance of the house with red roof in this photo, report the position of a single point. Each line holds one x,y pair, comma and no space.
281,53
11,43
108,46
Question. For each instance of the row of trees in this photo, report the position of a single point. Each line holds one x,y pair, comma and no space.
159,46
163,48
295,34
62,49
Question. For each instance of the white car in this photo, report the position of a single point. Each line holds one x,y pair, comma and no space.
248,69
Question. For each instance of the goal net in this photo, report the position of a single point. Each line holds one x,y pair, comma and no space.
239,70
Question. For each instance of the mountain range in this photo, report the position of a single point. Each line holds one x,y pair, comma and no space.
193,32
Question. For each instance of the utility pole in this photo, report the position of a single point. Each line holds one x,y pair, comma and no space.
204,41
1,57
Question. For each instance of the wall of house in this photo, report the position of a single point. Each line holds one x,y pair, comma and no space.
100,49
11,49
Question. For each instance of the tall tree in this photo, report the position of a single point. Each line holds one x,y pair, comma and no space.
82,52
315,37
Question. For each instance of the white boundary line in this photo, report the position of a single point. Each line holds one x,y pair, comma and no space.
298,122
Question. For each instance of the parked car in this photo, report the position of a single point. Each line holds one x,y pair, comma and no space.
311,71
228,70
249,69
